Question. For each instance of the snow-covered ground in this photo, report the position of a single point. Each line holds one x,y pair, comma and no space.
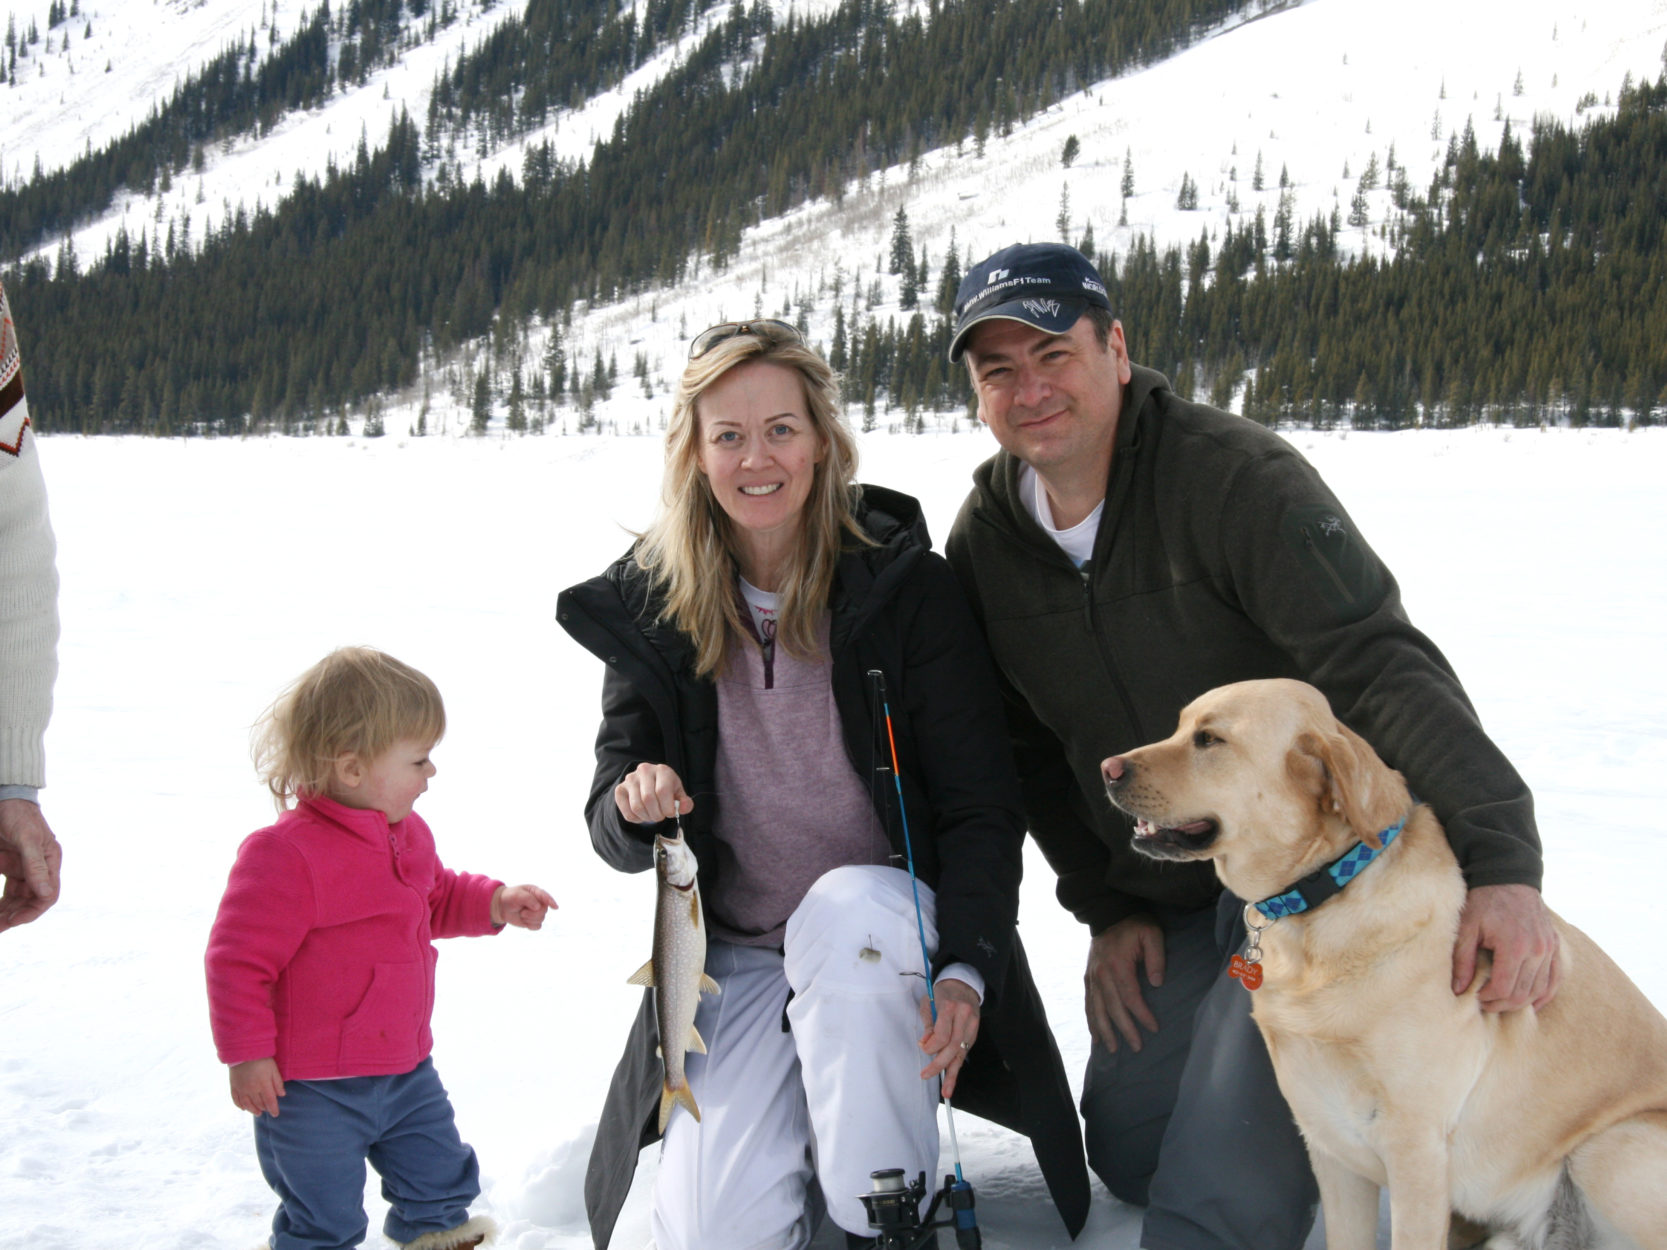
198,577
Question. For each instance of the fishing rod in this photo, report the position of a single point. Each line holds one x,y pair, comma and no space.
891,1204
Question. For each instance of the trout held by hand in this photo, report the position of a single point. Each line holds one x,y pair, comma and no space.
677,969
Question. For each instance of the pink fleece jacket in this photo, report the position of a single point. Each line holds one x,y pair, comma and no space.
321,955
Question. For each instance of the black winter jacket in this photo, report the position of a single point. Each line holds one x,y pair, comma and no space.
1221,557
896,608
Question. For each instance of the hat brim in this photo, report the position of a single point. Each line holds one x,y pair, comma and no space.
1049,314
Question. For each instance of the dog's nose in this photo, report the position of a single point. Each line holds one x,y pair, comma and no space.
1114,771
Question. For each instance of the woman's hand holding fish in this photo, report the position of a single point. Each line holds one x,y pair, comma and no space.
949,1039
523,906
651,793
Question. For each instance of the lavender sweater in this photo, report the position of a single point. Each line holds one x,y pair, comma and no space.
793,807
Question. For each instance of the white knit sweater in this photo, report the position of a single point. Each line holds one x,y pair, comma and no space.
28,581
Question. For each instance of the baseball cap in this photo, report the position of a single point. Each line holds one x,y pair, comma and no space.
1045,285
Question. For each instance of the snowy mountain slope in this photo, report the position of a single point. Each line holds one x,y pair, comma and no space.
150,49
1316,90
65,100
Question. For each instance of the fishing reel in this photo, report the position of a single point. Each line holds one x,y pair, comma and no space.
894,1212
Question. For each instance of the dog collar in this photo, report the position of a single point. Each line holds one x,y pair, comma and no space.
1324,883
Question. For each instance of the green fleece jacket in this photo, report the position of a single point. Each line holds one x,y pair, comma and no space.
1221,557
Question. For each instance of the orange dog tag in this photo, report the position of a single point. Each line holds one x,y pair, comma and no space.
1249,974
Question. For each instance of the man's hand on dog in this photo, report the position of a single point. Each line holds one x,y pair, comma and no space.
1114,1002
1512,922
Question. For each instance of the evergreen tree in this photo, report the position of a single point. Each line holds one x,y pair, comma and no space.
600,383
902,244
555,364
1369,175
1359,208
949,279
516,418
480,405
836,353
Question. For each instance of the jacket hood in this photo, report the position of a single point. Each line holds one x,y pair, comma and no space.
891,518
866,574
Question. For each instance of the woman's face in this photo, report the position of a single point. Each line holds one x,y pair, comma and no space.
759,450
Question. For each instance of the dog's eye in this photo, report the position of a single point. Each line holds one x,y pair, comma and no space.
1204,738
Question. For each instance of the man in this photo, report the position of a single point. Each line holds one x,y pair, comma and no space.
1127,550
29,854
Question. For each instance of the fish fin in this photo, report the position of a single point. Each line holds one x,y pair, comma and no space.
694,908
670,1097
643,975
709,986
695,1044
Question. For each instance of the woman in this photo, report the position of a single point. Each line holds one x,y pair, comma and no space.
741,634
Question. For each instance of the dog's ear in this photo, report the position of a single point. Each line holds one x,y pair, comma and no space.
1360,787
1305,764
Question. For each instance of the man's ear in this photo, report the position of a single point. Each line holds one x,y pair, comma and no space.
1119,347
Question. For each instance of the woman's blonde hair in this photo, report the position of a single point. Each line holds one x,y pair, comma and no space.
355,700
690,548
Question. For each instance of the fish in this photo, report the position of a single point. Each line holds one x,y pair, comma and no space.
676,971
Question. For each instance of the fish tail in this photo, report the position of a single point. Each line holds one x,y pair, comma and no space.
669,1096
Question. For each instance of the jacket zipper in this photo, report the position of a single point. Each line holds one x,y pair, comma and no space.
1085,575
1331,571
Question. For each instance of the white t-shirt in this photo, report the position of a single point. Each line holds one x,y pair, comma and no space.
764,606
1076,542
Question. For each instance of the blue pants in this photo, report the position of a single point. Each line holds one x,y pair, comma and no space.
313,1155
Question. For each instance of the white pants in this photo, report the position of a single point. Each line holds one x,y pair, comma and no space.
835,1098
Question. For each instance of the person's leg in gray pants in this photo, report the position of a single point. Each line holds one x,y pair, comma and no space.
1193,1126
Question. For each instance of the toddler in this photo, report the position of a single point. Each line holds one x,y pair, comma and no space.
321,965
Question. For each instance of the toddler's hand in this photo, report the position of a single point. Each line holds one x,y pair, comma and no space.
256,1086
521,905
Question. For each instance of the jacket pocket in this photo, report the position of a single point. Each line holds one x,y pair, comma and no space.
1336,561
384,1027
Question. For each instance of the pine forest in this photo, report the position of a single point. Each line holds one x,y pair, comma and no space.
1522,286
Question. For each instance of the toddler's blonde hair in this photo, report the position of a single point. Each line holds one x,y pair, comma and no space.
356,700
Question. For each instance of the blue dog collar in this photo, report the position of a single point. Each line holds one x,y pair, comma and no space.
1324,883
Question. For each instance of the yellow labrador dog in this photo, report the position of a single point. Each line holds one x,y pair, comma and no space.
1548,1128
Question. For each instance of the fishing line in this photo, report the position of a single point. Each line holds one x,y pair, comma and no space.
879,680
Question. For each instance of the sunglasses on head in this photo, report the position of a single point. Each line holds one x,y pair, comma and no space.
770,330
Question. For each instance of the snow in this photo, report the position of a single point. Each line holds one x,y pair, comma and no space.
200,576
66,101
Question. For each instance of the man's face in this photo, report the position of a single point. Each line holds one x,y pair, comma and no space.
1050,399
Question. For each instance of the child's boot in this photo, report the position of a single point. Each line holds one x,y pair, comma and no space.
476,1232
